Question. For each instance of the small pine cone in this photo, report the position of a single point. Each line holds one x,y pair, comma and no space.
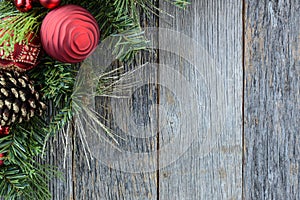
19,101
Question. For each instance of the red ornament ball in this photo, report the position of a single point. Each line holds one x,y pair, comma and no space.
50,3
24,55
23,5
4,130
1,156
69,33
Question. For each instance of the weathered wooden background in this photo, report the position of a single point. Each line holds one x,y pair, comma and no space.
247,147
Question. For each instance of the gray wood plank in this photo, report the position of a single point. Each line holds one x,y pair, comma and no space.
58,153
201,114
272,100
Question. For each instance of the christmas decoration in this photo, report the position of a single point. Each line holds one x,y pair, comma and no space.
19,101
4,130
69,34
23,5
50,3
24,55
1,157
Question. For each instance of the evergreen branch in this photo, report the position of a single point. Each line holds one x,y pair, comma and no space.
60,119
123,24
181,3
12,182
21,175
57,81
17,183
23,143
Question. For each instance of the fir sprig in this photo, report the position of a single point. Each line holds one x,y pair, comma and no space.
22,176
57,82
55,78
17,183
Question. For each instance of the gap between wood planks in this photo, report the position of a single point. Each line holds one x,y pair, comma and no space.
157,101
243,92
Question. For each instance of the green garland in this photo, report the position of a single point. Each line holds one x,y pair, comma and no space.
21,176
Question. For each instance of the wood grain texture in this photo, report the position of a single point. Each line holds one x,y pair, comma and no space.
211,166
272,100
108,181
59,153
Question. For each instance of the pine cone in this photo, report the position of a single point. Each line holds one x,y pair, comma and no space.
19,101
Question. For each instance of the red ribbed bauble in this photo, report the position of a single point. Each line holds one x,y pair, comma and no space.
24,55
50,3
69,33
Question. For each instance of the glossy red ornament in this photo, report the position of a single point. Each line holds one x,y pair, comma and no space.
24,55
69,33
23,5
4,130
1,156
50,3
